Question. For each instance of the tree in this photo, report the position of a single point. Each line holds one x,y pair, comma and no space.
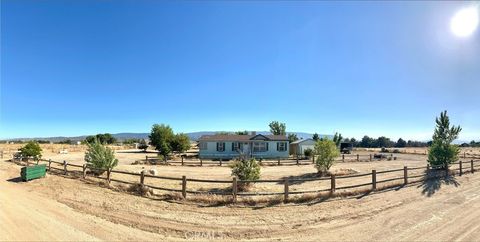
366,142
278,128
246,169
161,137
292,137
443,152
100,157
143,145
242,132
354,142
31,150
326,152
315,137
337,138
401,143
102,138
223,133
180,143
383,141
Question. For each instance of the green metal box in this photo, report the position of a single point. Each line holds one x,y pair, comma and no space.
31,172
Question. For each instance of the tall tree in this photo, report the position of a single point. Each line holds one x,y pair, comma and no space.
278,128
443,152
161,137
366,142
401,143
337,138
292,137
316,137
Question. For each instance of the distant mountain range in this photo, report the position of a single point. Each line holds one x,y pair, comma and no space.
123,136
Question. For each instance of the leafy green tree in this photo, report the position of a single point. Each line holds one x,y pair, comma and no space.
245,169
161,137
316,137
31,150
180,143
354,142
100,157
443,152
401,143
366,142
143,145
292,137
102,138
326,151
278,128
383,141
242,132
337,138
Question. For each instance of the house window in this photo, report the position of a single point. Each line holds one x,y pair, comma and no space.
236,146
260,146
282,146
220,147
203,145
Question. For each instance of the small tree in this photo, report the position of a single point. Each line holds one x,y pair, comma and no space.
316,137
246,169
308,152
326,152
442,152
143,145
277,128
180,143
31,150
99,157
161,137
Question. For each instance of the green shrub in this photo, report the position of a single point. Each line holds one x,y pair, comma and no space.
247,169
326,152
99,157
308,152
31,150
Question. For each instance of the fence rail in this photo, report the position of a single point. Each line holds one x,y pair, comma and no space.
421,172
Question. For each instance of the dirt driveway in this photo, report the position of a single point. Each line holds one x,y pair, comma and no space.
58,208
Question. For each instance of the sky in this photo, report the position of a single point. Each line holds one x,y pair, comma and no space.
355,67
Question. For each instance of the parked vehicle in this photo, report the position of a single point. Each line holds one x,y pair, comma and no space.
346,147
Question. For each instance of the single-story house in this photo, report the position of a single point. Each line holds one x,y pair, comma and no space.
298,147
231,146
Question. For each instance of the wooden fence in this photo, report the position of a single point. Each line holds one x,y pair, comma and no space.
336,183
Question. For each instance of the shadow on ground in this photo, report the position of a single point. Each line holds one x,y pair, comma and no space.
434,179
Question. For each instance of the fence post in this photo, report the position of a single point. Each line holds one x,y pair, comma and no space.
201,162
65,167
370,157
471,166
234,189
297,160
142,177
332,184
461,171
405,175
278,160
374,180
428,167
464,154
343,158
108,175
285,194
220,162
313,159
1,154
184,187
146,158
182,160
84,171
391,156
38,160
358,157
28,163
49,164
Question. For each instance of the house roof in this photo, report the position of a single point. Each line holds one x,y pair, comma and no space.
236,137
301,141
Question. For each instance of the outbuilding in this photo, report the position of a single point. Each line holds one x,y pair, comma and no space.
298,147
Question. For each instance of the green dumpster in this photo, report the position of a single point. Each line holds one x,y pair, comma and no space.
31,172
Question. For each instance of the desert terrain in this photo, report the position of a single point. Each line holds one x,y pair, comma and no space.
61,207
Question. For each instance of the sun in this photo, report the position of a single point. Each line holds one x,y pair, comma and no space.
464,22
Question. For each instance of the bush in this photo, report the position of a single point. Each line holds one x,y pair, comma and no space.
246,170
31,150
326,152
384,150
99,157
308,152
143,145
396,151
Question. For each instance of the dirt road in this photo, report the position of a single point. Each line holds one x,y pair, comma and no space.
58,208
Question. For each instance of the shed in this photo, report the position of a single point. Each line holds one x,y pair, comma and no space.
298,147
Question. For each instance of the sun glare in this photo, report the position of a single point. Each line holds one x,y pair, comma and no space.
464,22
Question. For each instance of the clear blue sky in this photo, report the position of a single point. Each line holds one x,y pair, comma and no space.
375,68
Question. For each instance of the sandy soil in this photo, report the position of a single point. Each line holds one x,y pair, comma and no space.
59,208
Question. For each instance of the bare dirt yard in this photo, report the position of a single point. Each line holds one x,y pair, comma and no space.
67,208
